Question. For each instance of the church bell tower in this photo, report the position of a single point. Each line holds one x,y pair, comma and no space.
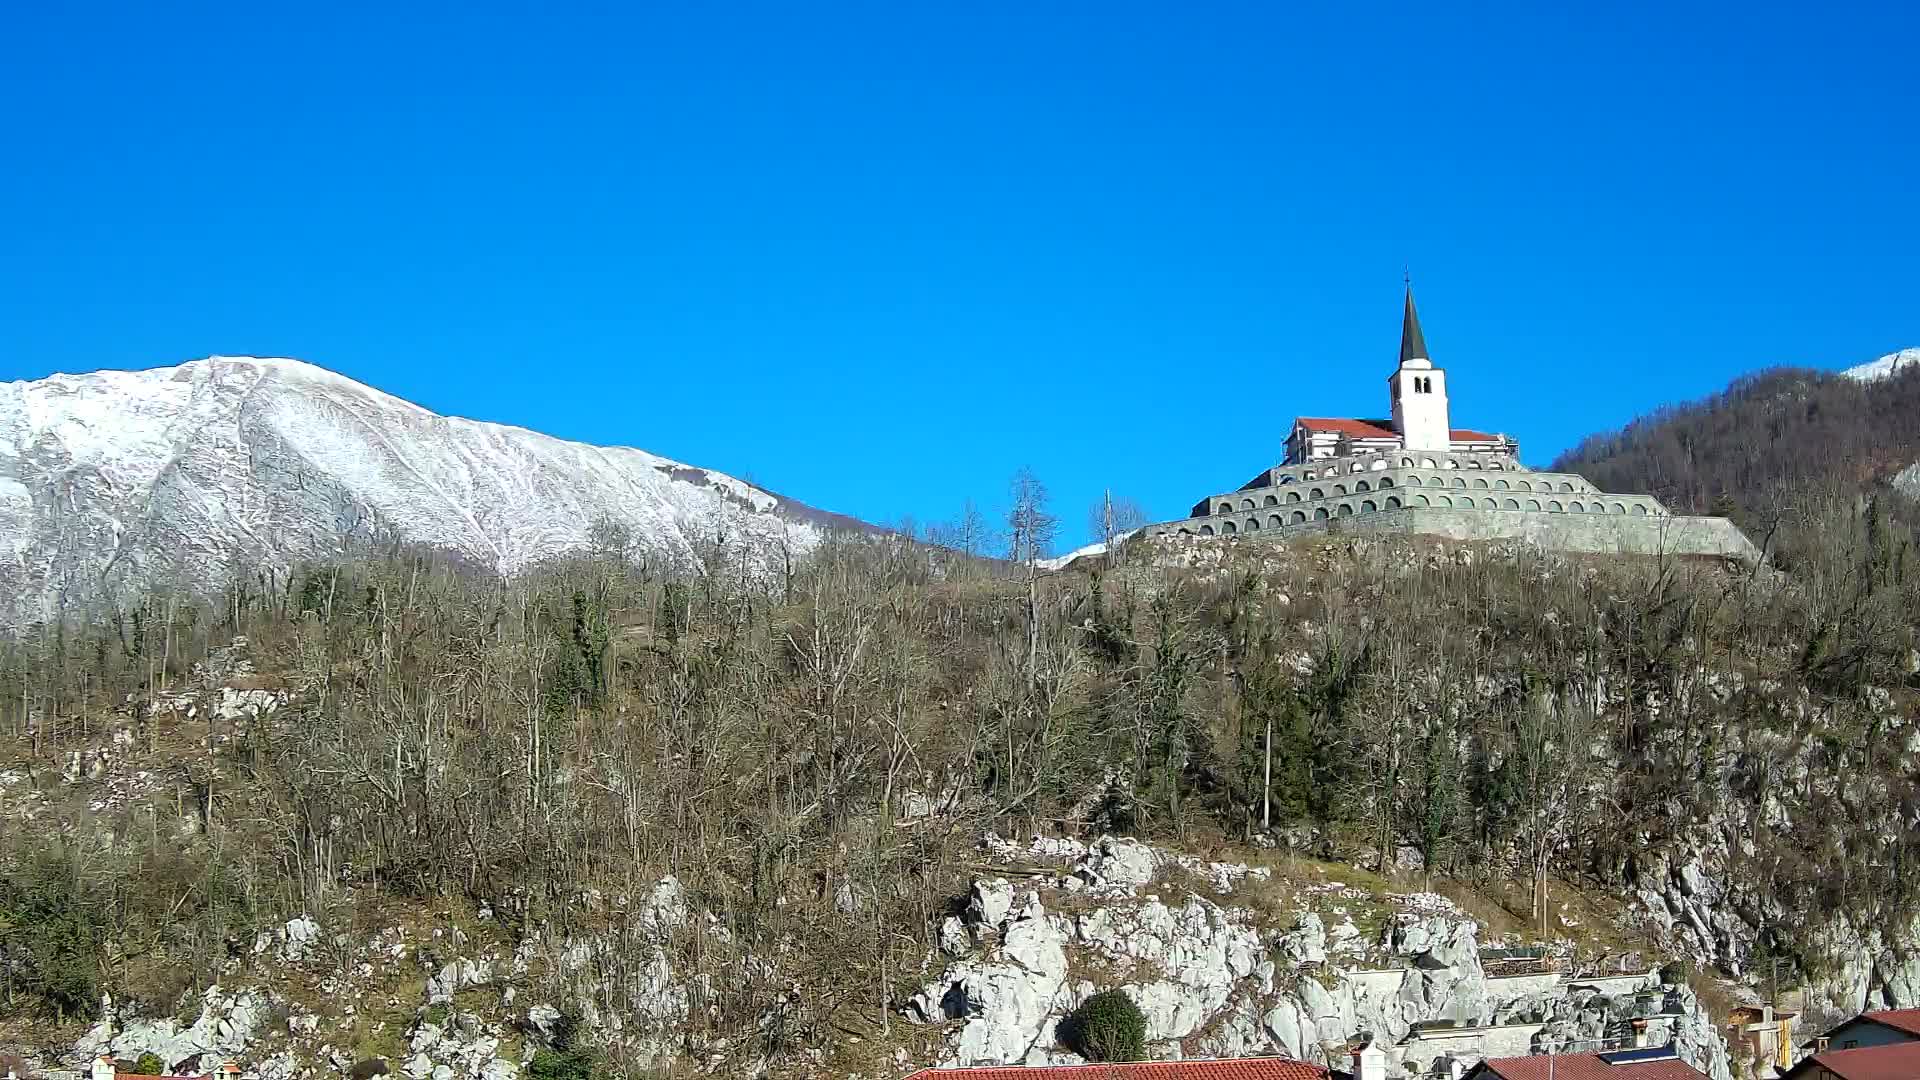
1419,391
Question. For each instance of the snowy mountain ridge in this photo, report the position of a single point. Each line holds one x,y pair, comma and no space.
1885,366
116,482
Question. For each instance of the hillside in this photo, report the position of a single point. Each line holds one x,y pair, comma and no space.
1776,442
721,824
118,483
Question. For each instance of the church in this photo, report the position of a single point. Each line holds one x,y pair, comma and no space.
1414,473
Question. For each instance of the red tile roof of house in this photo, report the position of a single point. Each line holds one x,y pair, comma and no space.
1894,1061
1907,1020
1588,1067
1378,429
1222,1069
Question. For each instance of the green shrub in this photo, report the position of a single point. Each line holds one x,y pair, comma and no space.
1109,1027
150,1064
574,1064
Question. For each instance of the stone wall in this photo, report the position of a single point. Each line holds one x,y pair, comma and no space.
1609,533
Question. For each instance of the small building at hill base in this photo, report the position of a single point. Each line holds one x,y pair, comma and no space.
1414,473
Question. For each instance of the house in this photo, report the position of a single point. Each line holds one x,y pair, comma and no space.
1273,1068
1647,1063
1883,1061
1881,1028
1761,1033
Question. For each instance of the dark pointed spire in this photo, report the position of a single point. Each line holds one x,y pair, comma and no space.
1413,344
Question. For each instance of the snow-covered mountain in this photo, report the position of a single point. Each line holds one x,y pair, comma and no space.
1885,366
117,481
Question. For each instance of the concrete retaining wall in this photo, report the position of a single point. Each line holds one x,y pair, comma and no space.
1583,532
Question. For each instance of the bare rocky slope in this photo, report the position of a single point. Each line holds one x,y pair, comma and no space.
119,482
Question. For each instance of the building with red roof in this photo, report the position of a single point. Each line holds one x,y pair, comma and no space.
1269,1068
1413,472
1657,1063
1887,1061
1878,1028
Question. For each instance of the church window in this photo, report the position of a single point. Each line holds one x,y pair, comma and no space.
1511,505
1386,481
1271,500
1299,517
1533,504
1206,530
1320,514
1554,506
1393,502
1363,486
1480,481
1501,484
1227,528
1367,507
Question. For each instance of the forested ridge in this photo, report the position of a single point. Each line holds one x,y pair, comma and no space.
815,752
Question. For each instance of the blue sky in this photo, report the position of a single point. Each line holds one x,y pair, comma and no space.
878,256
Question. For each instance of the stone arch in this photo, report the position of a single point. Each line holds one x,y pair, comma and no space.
1523,485
1271,500
1472,464
1452,463
1576,508
1339,489
1293,496
1393,502
1386,482
1317,494
1422,500
1320,513
1186,532
1640,508
1406,463
1246,504
1510,505
1428,463
1358,466
1206,530
1346,509
1502,484
1489,504
1619,508
1444,500
1533,504
1275,521
1564,486
1367,507
1378,464
1414,481
1228,528
1299,518
1253,524
1480,482
1225,508
1553,505
1459,481
1362,486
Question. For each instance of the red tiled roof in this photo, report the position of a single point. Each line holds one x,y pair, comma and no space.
1358,429
1907,1020
1894,1061
1588,1067
1224,1069
1461,434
